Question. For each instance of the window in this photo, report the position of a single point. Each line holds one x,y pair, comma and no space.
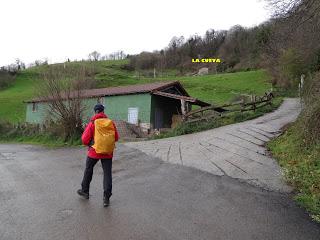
34,107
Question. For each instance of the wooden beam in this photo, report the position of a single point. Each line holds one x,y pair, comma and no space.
183,108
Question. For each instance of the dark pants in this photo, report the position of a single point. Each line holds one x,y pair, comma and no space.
107,175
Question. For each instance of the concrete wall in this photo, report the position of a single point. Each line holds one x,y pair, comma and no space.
37,116
117,106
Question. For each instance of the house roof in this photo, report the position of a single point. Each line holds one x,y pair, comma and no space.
123,90
192,100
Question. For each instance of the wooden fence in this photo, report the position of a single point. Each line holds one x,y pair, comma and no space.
210,112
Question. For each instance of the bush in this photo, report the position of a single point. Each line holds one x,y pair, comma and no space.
298,150
49,133
291,67
6,79
311,114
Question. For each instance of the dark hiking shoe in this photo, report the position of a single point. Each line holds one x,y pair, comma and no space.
83,194
106,201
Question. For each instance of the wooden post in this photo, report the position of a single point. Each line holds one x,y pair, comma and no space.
242,105
270,99
183,108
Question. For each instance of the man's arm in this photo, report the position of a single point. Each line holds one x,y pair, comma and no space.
87,134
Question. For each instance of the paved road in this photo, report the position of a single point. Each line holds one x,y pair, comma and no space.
236,150
152,199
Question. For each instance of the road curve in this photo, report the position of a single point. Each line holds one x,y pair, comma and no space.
236,150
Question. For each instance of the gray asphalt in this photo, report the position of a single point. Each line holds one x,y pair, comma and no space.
151,199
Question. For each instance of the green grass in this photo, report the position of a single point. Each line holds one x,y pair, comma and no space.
12,107
222,88
301,165
218,89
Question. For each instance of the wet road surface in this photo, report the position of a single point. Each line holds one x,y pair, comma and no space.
151,199
236,150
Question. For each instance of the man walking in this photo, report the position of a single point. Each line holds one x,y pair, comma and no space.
100,136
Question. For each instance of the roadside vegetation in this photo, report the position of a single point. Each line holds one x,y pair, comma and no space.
301,164
29,133
298,150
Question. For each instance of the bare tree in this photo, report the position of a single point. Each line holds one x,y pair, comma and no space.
298,11
94,56
40,62
295,29
20,64
281,8
62,89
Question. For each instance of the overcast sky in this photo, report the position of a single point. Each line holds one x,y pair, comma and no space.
61,29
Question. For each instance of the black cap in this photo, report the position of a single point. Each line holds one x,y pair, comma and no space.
99,107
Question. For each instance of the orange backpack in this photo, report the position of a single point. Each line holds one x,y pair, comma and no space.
104,136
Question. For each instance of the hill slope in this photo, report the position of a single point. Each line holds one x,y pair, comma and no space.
219,88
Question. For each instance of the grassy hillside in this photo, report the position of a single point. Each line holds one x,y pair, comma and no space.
218,88
222,88
12,107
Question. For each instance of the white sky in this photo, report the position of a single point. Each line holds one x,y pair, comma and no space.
58,29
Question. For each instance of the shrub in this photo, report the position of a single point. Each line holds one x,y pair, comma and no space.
50,133
311,114
291,67
6,79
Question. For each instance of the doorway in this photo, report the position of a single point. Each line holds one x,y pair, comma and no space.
158,123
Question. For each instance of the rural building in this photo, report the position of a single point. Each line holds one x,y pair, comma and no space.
151,106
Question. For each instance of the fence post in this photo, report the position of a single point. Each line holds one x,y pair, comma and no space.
269,97
242,105
183,109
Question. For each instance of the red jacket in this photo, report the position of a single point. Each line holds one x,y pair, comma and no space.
88,135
